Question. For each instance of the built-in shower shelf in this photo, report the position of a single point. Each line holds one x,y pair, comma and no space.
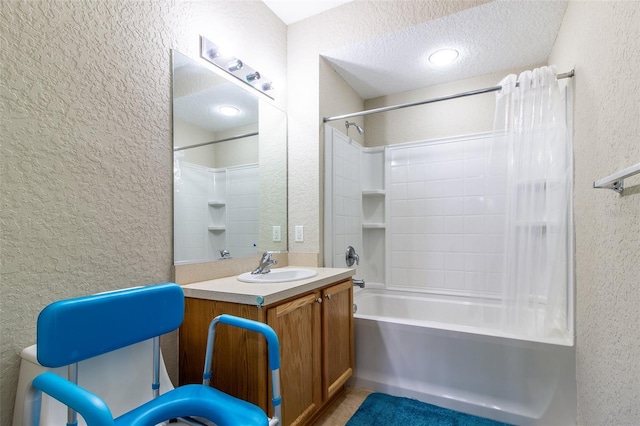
217,203
373,226
217,228
374,192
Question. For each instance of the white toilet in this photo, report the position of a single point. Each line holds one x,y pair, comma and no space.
122,378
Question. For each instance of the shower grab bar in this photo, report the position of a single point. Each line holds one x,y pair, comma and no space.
616,180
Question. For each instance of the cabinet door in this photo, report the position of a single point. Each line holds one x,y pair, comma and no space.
239,356
337,337
297,324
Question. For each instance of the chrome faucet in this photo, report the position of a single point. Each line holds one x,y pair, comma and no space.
224,254
351,257
265,262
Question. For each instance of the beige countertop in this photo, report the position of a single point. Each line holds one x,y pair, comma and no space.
229,289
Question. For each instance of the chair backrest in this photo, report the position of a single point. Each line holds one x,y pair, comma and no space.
73,330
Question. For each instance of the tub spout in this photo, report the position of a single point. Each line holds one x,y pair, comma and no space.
359,283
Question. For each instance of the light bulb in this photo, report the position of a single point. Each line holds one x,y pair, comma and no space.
443,57
229,111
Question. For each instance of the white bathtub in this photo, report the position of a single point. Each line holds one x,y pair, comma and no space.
430,348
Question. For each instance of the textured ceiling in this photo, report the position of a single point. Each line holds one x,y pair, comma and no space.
500,35
290,11
198,91
493,37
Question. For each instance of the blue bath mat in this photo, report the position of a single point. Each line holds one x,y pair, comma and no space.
387,410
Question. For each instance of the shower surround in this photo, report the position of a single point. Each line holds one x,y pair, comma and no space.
427,220
215,210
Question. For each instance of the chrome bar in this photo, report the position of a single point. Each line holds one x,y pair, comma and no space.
72,375
616,180
568,74
193,422
208,357
277,399
155,380
232,138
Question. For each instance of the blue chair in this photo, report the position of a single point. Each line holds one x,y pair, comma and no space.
70,331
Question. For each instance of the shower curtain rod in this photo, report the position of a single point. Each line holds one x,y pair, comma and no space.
232,138
568,74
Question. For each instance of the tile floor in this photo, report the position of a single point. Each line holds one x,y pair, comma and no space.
343,408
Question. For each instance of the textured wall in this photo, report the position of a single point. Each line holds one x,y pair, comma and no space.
455,117
307,39
602,41
86,146
337,98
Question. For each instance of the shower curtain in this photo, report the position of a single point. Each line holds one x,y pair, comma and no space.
532,145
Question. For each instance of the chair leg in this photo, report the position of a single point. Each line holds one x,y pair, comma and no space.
72,376
155,384
32,407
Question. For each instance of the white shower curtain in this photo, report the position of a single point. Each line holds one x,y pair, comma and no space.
532,139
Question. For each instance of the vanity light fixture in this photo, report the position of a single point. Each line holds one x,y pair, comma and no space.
253,76
212,53
443,57
228,110
235,65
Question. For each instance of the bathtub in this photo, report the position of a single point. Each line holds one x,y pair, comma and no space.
431,349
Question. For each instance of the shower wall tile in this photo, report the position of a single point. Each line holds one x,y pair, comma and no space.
434,260
191,213
439,189
474,224
451,188
453,206
445,223
398,191
454,280
474,205
454,262
432,225
242,210
416,189
474,186
495,204
399,174
416,278
474,262
454,225
347,199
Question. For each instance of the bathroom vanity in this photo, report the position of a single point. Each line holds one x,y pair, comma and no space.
313,319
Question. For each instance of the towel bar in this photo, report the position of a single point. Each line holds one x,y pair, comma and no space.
616,180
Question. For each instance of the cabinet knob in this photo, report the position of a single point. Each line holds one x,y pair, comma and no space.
328,296
319,300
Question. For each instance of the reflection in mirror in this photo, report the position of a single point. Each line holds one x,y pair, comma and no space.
229,167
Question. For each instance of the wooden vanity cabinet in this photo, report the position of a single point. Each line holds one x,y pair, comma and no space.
315,330
337,328
240,356
297,324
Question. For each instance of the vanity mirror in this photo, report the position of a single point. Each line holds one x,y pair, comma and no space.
230,166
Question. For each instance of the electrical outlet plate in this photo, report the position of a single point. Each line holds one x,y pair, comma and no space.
277,233
299,233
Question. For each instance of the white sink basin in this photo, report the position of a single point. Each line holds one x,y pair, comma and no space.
278,275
